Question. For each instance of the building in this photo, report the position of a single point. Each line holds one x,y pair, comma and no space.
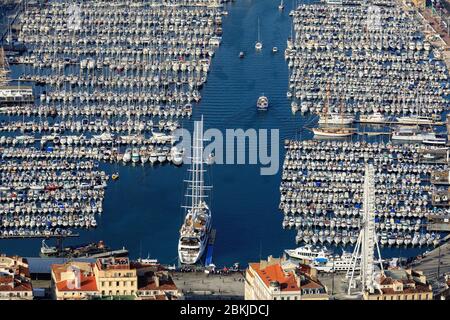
277,279
115,277
73,281
419,3
15,282
112,277
155,283
401,284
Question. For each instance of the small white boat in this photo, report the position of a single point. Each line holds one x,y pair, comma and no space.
258,45
262,103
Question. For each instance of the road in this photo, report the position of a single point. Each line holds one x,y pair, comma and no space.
198,285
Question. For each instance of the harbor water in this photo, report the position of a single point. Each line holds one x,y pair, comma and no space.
142,209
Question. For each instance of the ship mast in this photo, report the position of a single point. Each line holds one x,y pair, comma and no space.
196,184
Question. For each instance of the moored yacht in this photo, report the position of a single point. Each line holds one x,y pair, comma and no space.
415,120
375,117
336,118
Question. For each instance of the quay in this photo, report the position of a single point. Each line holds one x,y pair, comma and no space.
73,235
199,285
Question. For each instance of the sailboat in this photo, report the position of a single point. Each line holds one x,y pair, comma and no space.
195,231
258,45
281,6
336,132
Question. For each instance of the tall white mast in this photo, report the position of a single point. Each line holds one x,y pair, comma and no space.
367,239
196,184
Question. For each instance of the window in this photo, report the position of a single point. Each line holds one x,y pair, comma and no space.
117,283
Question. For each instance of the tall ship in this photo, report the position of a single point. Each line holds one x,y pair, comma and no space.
196,228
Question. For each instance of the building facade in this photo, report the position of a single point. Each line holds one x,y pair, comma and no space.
401,284
155,283
73,281
115,277
15,282
272,279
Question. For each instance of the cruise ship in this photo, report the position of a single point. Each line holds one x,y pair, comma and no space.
195,231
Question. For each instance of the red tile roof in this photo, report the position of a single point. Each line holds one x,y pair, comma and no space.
88,284
87,279
275,273
147,282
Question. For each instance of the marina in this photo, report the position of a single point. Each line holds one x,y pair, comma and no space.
110,95
321,192
372,61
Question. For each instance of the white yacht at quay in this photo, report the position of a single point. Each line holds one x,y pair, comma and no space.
415,120
194,232
416,135
336,119
375,118
308,252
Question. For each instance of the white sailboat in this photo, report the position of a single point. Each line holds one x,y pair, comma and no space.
194,232
259,45
281,6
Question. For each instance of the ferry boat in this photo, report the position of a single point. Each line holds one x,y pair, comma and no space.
307,252
196,228
335,264
262,103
